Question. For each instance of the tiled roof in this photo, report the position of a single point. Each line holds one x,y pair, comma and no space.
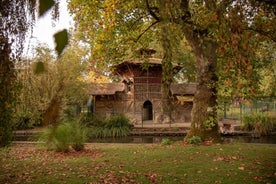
105,88
156,61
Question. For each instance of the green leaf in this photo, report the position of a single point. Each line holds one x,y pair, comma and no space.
39,67
44,6
61,40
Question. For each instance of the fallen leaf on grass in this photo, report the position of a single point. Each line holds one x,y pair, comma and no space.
258,178
218,159
153,178
241,168
226,158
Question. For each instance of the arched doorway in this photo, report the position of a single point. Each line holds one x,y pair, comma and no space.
147,111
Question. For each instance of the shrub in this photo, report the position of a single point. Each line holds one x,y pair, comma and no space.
115,126
23,123
26,120
62,138
117,121
47,137
195,140
79,135
88,120
261,124
69,133
166,141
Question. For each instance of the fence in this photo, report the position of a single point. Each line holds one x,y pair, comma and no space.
238,108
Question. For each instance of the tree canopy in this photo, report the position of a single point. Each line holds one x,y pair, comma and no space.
224,36
49,84
16,18
232,44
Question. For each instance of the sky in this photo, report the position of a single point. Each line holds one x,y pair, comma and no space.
45,28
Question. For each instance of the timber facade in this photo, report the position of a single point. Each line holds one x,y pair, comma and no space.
140,95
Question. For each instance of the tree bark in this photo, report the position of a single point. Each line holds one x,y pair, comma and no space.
204,112
7,92
167,72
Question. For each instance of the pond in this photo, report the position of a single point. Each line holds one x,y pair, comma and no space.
157,139
249,139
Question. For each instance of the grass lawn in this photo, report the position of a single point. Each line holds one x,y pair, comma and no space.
133,163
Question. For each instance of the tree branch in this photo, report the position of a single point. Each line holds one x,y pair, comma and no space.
137,39
151,12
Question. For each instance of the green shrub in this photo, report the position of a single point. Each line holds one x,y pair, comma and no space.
115,126
175,128
62,138
23,123
56,138
79,135
117,121
89,120
248,122
166,141
262,124
26,120
69,133
195,140
47,137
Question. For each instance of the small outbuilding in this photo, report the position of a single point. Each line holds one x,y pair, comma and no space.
140,95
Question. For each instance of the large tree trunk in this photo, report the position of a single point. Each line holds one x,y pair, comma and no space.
167,72
204,112
7,93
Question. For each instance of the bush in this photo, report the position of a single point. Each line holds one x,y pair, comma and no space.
79,135
62,138
118,121
115,126
87,120
261,124
166,141
91,121
68,133
195,140
26,120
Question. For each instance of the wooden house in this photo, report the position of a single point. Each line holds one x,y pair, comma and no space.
141,97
